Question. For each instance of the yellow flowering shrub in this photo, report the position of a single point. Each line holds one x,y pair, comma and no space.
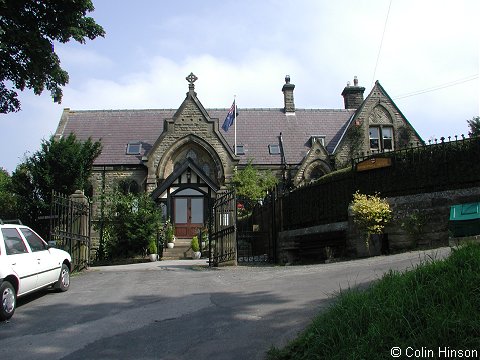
370,213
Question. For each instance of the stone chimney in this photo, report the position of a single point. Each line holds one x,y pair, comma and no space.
289,104
353,95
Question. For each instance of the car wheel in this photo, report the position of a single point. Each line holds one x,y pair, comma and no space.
63,282
9,300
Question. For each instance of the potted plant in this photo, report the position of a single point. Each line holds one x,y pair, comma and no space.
169,234
152,251
370,213
195,248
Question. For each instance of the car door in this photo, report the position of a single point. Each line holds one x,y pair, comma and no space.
20,259
48,267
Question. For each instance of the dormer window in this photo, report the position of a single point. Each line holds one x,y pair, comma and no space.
317,139
274,149
134,148
240,150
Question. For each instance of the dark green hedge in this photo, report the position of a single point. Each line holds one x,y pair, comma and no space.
429,168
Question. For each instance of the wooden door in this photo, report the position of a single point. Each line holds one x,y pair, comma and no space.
189,216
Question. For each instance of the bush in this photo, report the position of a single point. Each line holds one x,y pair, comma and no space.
194,244
152,247
169,231
131,223
370,213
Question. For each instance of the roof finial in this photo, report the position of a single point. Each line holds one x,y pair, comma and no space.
191,79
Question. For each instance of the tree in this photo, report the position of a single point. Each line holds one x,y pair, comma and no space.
474,125
252,184
28,30
63,165
132,223
7,199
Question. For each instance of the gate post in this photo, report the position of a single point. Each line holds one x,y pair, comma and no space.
80,207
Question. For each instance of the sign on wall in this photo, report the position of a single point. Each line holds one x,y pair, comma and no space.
374,163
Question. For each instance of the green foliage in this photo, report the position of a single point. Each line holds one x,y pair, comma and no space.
152,247
435,305
28,30
29,206
131,222
63,165
253,184
444,166
7,198
404,136
169,231
355,135
341,174
414,222
370,213
474,125
194,244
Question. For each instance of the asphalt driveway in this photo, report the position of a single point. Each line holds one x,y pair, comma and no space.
183,310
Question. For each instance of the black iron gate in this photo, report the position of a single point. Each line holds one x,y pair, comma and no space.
254,247
223,234
70,223
255,231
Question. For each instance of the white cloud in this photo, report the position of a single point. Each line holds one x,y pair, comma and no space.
246,50
74,57
257,81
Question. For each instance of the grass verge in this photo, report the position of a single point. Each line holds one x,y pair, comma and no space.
435,305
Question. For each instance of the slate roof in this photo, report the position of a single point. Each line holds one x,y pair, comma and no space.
256,129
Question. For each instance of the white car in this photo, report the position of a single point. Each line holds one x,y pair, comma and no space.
28,264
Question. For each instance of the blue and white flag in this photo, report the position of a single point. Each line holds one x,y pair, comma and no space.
230,118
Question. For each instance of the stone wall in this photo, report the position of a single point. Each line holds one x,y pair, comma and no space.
109,177
419,221
432,211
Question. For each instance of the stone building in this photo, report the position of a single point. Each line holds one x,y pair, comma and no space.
183,157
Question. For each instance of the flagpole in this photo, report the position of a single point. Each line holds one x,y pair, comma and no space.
235,122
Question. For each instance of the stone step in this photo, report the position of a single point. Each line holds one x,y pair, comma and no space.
181,250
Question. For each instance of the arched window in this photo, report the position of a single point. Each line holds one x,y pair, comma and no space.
380,130
128,186
316,173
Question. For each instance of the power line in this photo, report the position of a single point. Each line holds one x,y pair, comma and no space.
381,42
437,87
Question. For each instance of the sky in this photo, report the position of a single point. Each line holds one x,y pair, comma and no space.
425,54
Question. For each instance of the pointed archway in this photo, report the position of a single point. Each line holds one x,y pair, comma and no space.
314,165
190,127
185,197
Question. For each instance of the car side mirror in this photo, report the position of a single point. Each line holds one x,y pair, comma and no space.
52,244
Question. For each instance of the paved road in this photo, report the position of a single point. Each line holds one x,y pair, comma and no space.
181,310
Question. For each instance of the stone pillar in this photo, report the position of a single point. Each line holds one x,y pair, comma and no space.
80,226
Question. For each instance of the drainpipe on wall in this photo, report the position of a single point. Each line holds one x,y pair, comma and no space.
284,162
102,214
